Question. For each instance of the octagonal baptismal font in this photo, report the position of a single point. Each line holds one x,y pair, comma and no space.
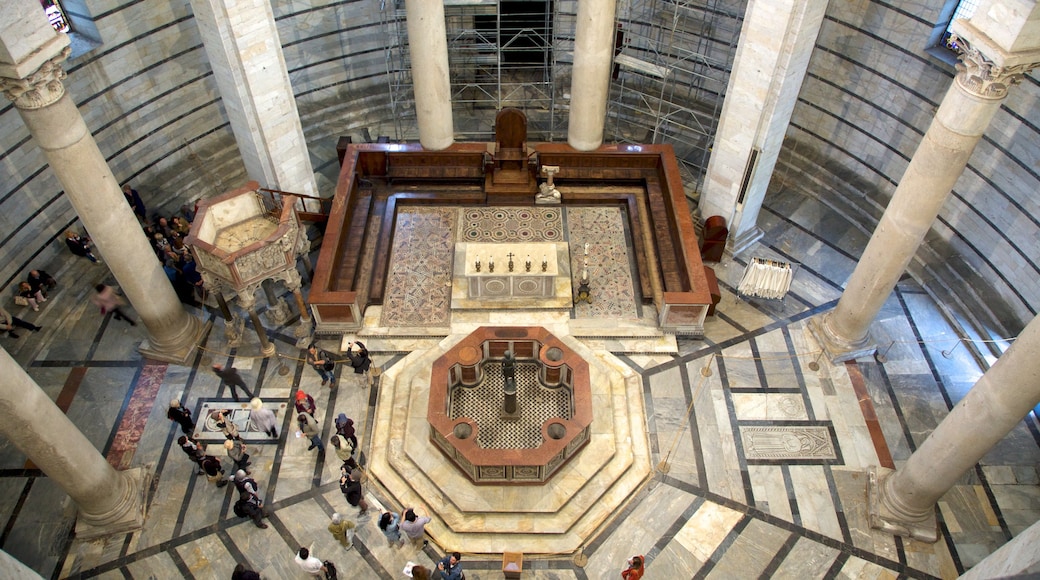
495,434
441,444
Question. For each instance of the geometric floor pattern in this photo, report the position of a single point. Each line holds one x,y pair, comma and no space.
717,505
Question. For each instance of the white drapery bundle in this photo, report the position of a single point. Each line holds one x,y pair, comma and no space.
766,279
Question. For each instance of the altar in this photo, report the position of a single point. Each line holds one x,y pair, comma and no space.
483,278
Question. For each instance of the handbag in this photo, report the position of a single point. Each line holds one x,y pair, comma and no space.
330,365
21,300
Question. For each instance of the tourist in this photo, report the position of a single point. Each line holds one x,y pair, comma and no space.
236,450
107,301
389,523
41,281
323,365
345,452
242,573
214,471
308,563
305,403
232,379
29,297
180,415
358,355
414,527
635,569
8,322
345,428
343,530
350,485
309,428
449,568
191,448
80,246
249,503
135,202
263,419
226,425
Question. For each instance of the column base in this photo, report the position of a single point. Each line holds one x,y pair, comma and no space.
926,530
278,313
268,350
837,349
138,479
742,243
178,354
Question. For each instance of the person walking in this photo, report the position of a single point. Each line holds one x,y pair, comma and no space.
310,429
449,568
232,379
635,569
8,322
323,365
309,563
345,452
343,530
108,301
181,416
414,527
236,450
263,419
350,486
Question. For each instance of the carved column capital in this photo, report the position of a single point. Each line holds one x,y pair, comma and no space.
981,76
39,89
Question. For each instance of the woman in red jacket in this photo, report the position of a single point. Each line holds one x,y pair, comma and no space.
634,570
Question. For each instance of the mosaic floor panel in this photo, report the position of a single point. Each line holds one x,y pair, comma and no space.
613,291
418,291
505,224
536,404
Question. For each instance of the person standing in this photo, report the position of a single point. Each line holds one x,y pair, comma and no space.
309,428
635,569
343,530
263,419
449,568
108,301
350,486
182,416
323,365
420,572
249,503
226,425
214,471
309,563
242,573
414,527
345,429
8,322
232,379
305,403
134,199
358,355
389,523
236,450
191,448
345,452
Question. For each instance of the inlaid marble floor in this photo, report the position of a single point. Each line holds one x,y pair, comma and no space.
760,459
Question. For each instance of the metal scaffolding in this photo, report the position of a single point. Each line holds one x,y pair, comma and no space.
672,64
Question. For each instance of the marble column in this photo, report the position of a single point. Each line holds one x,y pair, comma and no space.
903,502
243,47
590,75
428,47
986,72
34,82
109,501
776,40
247,301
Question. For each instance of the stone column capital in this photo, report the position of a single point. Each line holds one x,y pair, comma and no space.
981,75
40,88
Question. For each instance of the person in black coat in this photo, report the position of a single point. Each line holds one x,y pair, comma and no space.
179,414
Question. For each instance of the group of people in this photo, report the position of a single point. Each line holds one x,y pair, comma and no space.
32,292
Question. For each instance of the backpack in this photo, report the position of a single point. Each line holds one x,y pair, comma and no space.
240,508
330,570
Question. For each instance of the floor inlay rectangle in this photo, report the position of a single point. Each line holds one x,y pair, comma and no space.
788,443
